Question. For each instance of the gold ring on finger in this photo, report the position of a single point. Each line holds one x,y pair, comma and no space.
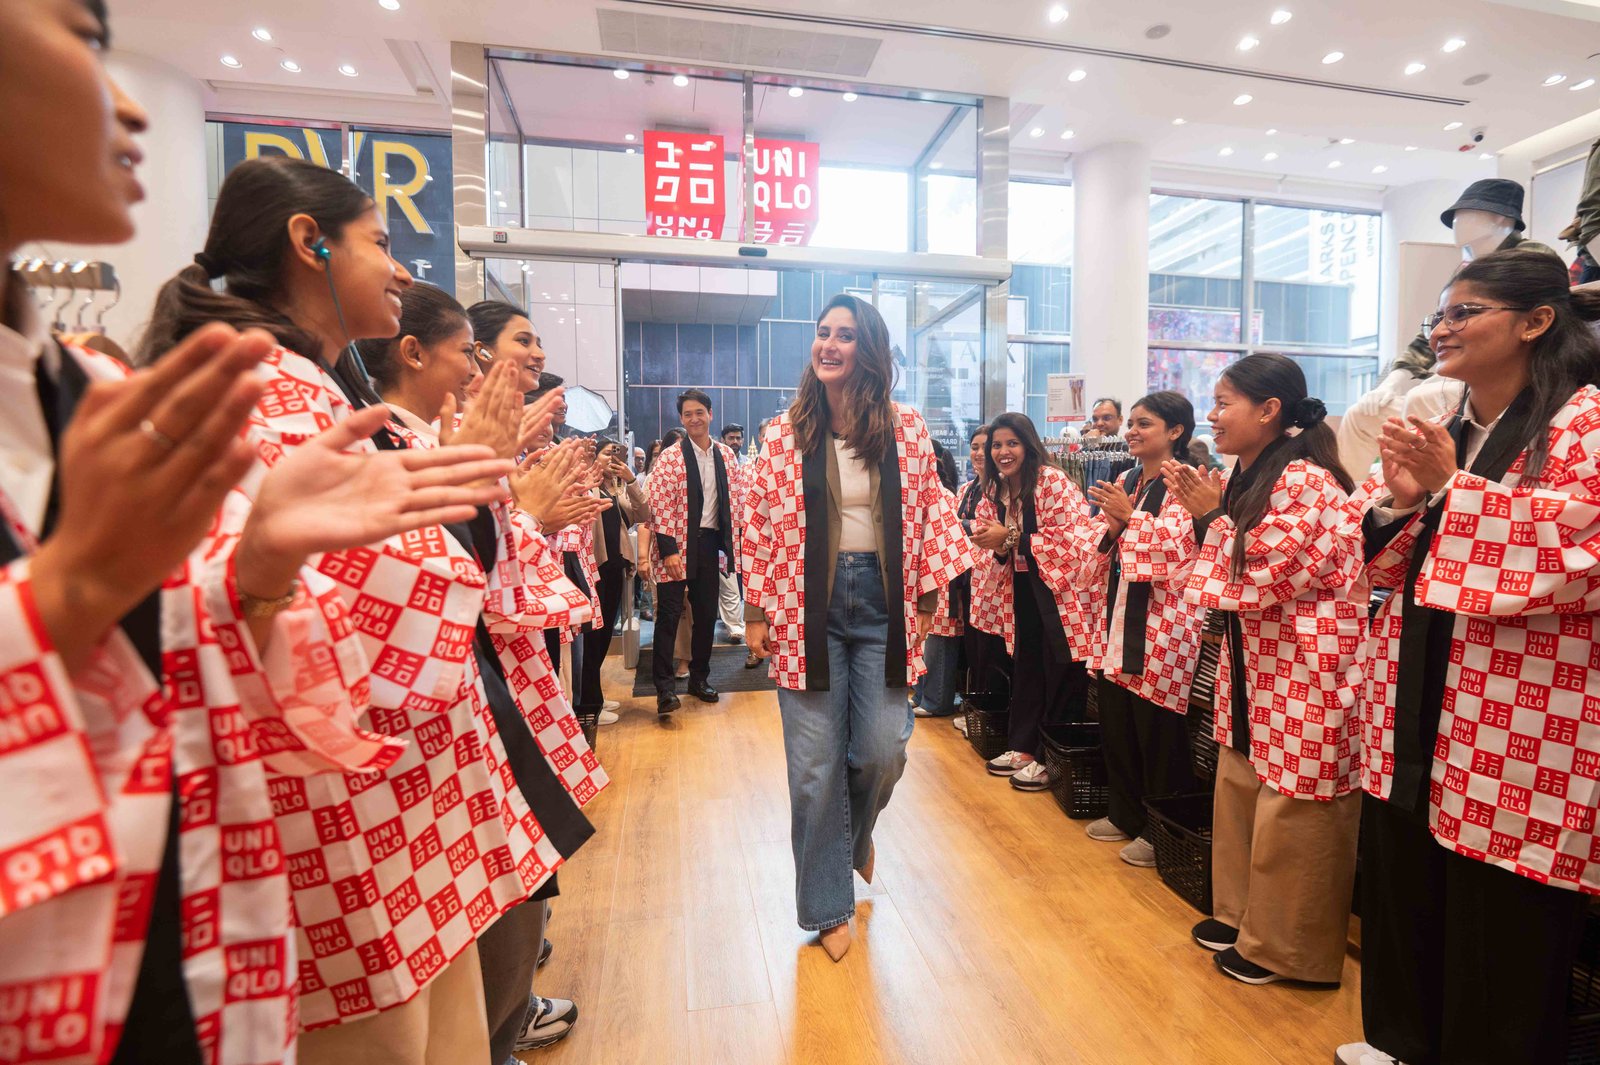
148,428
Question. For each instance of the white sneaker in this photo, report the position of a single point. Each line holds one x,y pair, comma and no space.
1031,777
917,711
608,717
1104,831
610,704
1007,764
1140,854
959,723
550,1020
1363,1054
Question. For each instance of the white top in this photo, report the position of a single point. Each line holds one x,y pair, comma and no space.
27,461
426,430
855,501
708,483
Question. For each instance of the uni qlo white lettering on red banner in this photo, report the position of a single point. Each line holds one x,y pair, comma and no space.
683,185
785,191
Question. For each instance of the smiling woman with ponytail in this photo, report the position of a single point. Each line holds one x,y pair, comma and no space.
1280,559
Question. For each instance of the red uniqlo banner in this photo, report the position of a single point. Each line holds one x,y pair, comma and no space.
786,191
683,185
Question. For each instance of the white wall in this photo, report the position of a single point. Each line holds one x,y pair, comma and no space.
170,225
1410,213
1111,269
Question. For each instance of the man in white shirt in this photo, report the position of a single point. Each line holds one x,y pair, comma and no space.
730,602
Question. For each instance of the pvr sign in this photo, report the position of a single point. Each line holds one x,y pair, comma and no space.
786,191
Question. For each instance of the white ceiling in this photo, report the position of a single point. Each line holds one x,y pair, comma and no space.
403,58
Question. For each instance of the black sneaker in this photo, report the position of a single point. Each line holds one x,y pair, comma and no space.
550,1020
666,703
544,953
1214,935
1234,964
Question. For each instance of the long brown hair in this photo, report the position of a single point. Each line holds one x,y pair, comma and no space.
869,412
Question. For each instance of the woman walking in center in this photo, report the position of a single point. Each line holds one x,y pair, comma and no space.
848,538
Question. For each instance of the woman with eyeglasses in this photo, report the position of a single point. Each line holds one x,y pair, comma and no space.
1279,558
1482,732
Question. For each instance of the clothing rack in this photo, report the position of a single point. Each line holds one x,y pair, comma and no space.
1092,461
57,283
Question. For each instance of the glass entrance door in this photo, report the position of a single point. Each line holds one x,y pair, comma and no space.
937,331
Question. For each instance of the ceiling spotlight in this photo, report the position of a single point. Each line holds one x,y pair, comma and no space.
936,165
1280,16
1068,134
1272,133
231,62
1269,157
849,97
680,80
1347,140
1555,79
1332,58
290,65
630,151
1411,147
1335,165
1036,131
1416,68
1248,42
795,92
1448,126
348,70
628,137
1242,99
389,5
1454,44
1180,122
1225,152
1058,13
1486,155
1380,169
261,33
1580,86
1077,75
620,74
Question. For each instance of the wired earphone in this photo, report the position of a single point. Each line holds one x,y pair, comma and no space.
321,250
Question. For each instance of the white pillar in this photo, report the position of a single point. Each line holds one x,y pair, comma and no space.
170,225
1410,213
1111,269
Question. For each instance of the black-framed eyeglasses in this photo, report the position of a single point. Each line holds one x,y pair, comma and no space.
1458,314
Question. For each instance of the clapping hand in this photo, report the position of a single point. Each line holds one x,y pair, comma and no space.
493,419
547,480
1114,504
1418,459
538,416
1199,491
992,537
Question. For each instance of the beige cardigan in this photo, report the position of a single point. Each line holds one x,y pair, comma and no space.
634,509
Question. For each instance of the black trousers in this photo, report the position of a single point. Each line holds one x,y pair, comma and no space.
508,955
1043,688
1147,753
597,640
703,594
552,644
1462,962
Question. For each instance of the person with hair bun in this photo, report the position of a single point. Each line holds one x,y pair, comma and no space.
1279,556
1482,728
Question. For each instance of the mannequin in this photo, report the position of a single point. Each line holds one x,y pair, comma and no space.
1486,217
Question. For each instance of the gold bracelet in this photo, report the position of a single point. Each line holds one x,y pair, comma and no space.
257,609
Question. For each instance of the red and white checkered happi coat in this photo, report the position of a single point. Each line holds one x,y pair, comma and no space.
1302,608
934,551
395,873
668,492
943,623
97,751
1516,768
1060,546
1158,550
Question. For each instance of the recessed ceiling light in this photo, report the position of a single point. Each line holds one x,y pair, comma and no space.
849,97
1416,68
1242,99
1226,152
1068,134
348,70
1272,133
936,165
261,33
1580,86
290,65
1058,13
680,80
1454,44
1248,42
230,61
1332,58
1347,140
1555,79
1158,31
1380,169
1180,122
629,137
389,5
1036,131
1335,165
1077,75
1411,147
620,74
795,92
1269,157
630,151
1486,155
1448,126
1280,16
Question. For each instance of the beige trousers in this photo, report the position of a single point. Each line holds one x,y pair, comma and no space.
444,1024
1282,872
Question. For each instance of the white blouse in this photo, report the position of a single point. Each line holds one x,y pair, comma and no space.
855,501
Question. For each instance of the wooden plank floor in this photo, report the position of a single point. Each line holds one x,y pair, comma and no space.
996,930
